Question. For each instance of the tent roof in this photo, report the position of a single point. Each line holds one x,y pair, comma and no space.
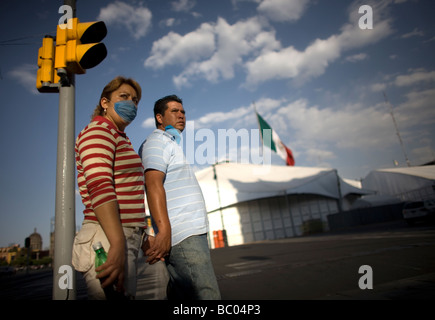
243,182
426,172
399,180
374,200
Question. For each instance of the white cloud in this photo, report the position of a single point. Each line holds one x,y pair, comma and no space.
423,154
378,87
223,118
240,117
414,113
417,109
414,33
353,126
319,136
414,77
357,57
170,22
137,20
183,5
26,76
233,42
174,49
236,2
215,51
149,123
314,155
212,51
290,63
283,10
417,76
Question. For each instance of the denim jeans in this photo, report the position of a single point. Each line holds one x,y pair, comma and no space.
191,272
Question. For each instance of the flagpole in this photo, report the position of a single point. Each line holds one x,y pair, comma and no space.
397,129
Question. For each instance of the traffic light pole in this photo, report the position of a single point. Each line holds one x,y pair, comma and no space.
64,285
64,231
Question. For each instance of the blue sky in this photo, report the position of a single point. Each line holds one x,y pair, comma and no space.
314,75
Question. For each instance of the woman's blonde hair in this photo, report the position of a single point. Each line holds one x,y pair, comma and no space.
113,86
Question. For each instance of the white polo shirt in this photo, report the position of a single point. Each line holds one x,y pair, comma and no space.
185,202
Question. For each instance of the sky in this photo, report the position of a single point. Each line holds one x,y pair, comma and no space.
311,68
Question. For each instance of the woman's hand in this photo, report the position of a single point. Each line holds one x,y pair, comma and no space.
157,248
112,271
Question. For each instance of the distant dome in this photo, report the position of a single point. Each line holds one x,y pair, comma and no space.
35,241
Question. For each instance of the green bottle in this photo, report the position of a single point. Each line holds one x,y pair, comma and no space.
100,254
100,259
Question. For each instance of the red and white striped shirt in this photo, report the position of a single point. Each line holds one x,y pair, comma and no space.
109,170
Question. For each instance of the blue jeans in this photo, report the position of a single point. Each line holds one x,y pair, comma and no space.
191,272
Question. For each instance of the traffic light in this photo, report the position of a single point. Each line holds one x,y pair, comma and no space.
27,242
46,77
78,48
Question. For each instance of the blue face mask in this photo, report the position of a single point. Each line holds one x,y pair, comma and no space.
173,132
126,109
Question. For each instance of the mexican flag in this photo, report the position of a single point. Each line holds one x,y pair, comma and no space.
275,144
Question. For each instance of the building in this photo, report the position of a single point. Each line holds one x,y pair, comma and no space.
11,253
35,241
258,202
406,184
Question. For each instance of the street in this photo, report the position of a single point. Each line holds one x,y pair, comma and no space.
327,266
398,261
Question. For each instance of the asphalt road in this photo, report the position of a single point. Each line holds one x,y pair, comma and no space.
400,260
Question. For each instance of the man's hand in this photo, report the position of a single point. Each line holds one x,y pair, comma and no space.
160,246
157,248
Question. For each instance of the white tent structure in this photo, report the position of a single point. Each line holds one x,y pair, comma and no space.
374,200
259,202
407,184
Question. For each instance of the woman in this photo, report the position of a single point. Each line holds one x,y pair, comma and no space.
111,183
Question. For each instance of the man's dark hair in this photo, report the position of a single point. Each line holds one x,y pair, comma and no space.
161,105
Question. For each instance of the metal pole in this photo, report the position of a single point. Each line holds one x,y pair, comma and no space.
64,231
65,192
290,213
397,129
340,196
220,205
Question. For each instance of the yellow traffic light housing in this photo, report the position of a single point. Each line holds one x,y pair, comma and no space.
46,77
78,48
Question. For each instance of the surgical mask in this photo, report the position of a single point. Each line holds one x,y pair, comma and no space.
126,109
173,132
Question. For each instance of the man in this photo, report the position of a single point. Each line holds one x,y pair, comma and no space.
177,208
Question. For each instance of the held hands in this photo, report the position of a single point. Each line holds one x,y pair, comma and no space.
157,248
